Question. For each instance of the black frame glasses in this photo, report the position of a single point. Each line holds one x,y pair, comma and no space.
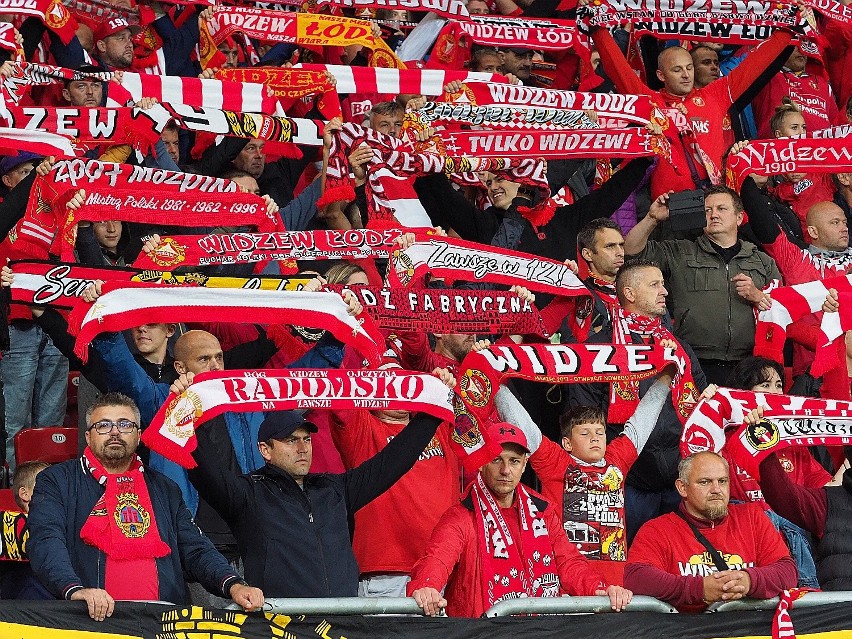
105,426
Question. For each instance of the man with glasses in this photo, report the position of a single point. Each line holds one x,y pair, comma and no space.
104,528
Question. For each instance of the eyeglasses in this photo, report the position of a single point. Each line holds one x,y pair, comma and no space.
105,426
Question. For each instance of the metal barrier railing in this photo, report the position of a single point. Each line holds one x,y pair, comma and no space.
573,605
809,600
344,606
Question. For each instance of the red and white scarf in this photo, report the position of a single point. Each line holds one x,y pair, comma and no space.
288,85
790,303
481,374
52,13
511,568
624,395
832,9
449,311
503,117
614,110
126,304
459,259
172,431
787,421
446,8
698,21
243,248
40,142
61,285
789,155
122,523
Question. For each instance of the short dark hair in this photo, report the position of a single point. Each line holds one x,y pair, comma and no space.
25,476
718,189
751,371
586,235
112,399
625,274
478,54
784,109
580,415
703,46
232,174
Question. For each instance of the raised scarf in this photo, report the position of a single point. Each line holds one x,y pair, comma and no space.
789,155
243,248
40,142
306,29
126,304
465,311
61,285
8,42
790,303
502,117
614,110
734,23
289,85
481,373
52,13
122,523
624,395
446,8
832,9
787,421
459,259
395,164
25,75
512,568
172,431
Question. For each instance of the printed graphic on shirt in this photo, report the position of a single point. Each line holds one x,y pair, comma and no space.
593,511
701,565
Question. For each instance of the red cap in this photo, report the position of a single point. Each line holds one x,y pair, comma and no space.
113,26
506,433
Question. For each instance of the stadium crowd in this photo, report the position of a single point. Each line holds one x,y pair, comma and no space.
670,230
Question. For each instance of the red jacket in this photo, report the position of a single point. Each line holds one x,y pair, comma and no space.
809,91
704,111
452,559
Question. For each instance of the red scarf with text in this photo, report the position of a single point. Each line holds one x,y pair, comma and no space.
509,567
52,13
289,85
126,304
624,396
789,155
787,421
445,8
481,373
243,248
172,431
122,524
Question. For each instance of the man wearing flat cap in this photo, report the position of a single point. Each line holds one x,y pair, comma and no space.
292,526
517,61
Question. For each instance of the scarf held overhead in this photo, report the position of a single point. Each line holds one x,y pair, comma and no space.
61,285
172,431
787,421
52,13
481,374
446,8
243,248
126,304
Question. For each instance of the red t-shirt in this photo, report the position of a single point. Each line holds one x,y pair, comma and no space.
591,500
803,469
810,92
813,188
391,532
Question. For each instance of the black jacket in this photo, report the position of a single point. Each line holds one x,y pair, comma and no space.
63,498
656,467
295,542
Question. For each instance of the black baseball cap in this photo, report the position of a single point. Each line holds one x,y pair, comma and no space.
282,424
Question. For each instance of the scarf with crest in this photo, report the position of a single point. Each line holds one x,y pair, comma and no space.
624,396
122,522
512,568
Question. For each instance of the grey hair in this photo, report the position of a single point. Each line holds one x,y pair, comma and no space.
113,399
685,465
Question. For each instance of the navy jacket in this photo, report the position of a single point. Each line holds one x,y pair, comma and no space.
64,496
295,542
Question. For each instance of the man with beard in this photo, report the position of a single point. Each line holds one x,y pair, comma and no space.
103,530
708,550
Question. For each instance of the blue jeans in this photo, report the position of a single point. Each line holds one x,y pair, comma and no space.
800,549
641,506
35,380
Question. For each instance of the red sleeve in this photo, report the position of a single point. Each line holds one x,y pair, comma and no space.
806,332
644,579
622,453
576,575
453,532
549,461
416,352
741,78
369,265
777,571
554,313
649,560
809,472
793,261
350,432
805,507
616,65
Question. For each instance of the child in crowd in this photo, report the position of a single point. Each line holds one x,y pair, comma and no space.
586,476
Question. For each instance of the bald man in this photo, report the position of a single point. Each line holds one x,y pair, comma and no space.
702,127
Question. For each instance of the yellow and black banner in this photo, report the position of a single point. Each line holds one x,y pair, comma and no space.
69,620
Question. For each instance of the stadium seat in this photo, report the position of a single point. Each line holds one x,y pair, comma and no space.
50,444
73,384
7,500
